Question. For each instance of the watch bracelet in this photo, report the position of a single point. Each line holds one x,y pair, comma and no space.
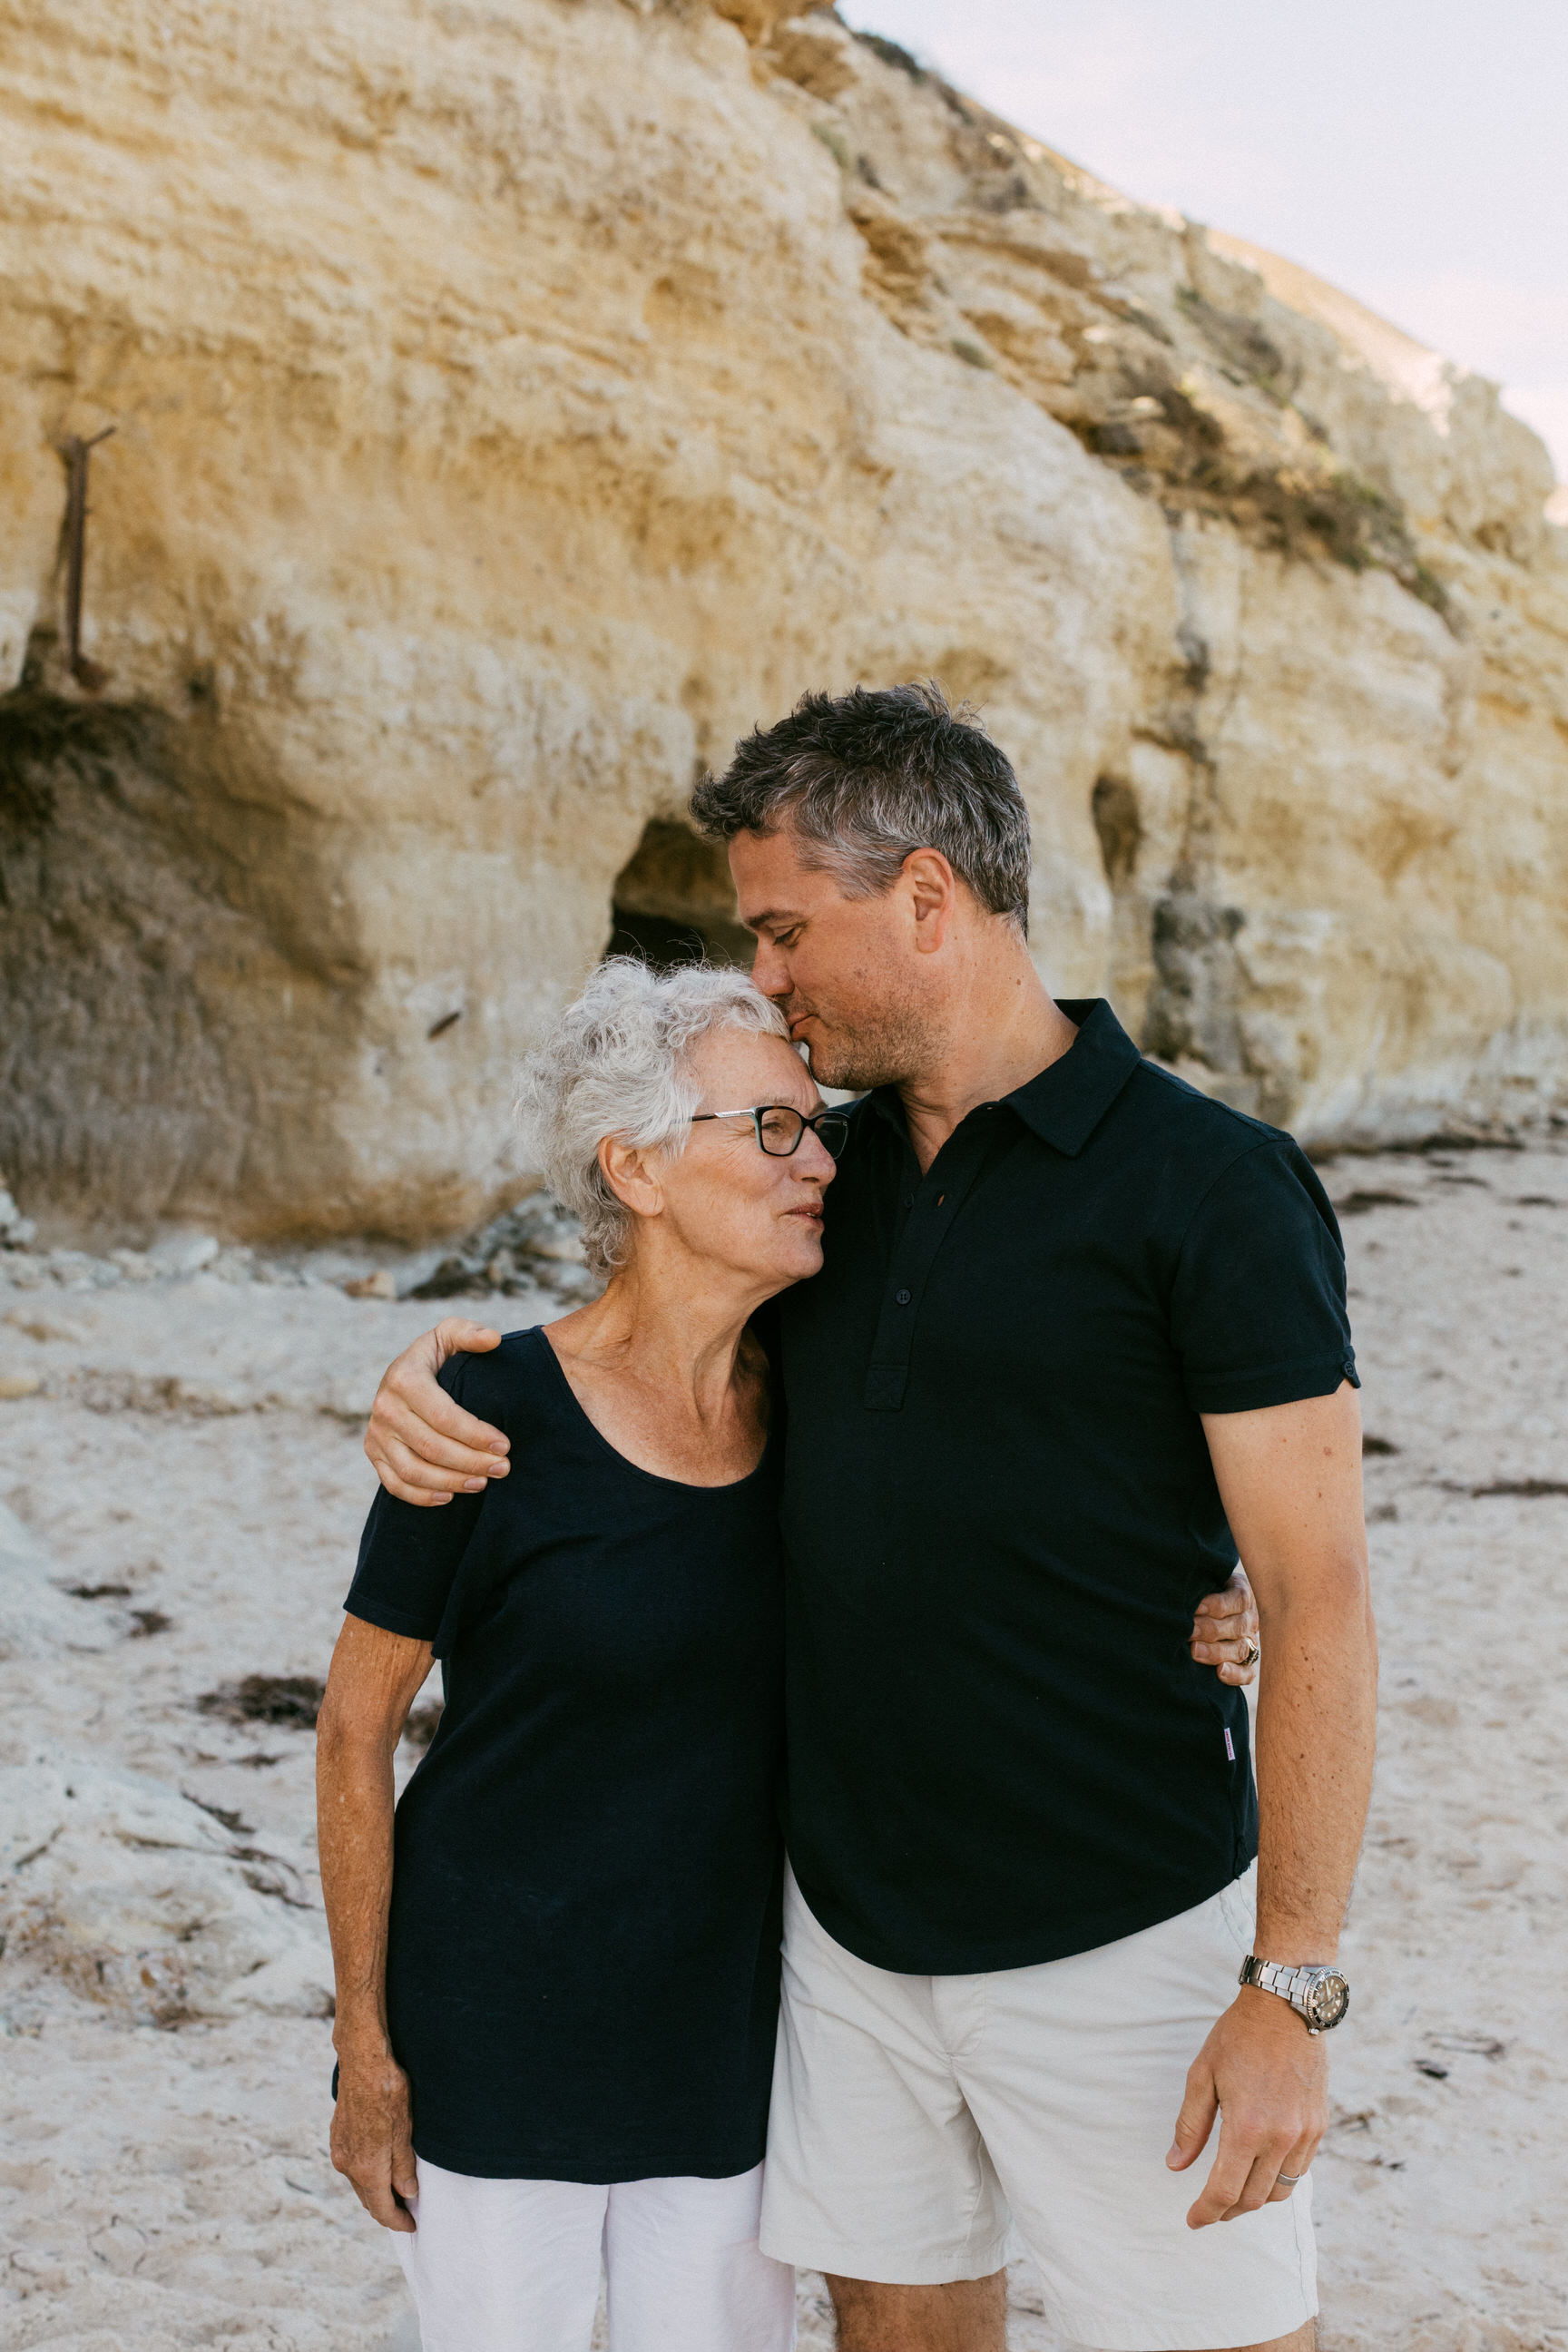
1285,1979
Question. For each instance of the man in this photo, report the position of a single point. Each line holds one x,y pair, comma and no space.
1078,1327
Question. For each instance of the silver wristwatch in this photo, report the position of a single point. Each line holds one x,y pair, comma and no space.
1319,1995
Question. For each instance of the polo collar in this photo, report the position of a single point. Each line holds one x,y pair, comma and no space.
1067,1102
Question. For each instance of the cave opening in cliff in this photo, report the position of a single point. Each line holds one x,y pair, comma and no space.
674,903
1117,821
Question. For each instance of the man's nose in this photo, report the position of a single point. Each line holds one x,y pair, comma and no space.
770,973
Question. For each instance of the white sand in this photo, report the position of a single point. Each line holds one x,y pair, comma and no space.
194,1439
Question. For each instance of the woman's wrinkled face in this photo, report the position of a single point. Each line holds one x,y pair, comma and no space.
725,1198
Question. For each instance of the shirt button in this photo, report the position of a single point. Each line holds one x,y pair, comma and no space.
902,1297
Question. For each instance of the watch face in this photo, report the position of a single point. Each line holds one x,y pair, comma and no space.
1327,2001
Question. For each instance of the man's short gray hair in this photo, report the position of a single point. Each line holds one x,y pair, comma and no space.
616,1063
865,777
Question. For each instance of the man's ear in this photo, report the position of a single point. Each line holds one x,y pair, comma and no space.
630,1177
932,892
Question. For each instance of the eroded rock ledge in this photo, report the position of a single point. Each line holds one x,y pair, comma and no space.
511,408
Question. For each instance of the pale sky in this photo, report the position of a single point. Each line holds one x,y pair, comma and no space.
1414,151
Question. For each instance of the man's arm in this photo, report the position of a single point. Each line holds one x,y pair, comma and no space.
1289,1478
423,1448
375,1679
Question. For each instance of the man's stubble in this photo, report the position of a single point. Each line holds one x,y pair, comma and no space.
887,1045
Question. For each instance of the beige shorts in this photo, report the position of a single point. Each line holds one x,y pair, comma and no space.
915,2118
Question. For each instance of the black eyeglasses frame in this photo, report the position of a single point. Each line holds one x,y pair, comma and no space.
756,1112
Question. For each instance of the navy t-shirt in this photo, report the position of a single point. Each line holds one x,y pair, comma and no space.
1000,1510
583,1970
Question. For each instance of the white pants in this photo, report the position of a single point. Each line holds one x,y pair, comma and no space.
514,2265
915,2118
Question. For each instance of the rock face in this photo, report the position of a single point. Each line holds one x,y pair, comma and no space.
136,1895
141,1901
511,405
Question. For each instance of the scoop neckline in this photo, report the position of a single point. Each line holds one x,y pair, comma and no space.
682,1486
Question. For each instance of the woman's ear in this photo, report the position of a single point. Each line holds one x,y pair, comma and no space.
629,1174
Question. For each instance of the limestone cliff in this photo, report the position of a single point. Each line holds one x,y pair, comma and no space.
513,403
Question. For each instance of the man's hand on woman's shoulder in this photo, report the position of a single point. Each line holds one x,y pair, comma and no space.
423,1448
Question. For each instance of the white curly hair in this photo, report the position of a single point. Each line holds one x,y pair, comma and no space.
616,1063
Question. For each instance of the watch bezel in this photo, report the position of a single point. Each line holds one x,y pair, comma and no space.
1326,2000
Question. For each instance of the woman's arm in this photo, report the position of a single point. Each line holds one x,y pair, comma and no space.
375,1679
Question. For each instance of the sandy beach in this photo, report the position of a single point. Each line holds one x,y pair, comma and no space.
182,1488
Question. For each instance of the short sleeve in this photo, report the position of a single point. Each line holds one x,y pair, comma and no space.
409,1555
1258,1308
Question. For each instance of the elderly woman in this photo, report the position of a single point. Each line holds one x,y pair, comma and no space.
558,1964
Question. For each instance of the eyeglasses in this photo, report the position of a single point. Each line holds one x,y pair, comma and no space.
780,1128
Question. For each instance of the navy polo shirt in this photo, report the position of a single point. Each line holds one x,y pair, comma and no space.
1000,1511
